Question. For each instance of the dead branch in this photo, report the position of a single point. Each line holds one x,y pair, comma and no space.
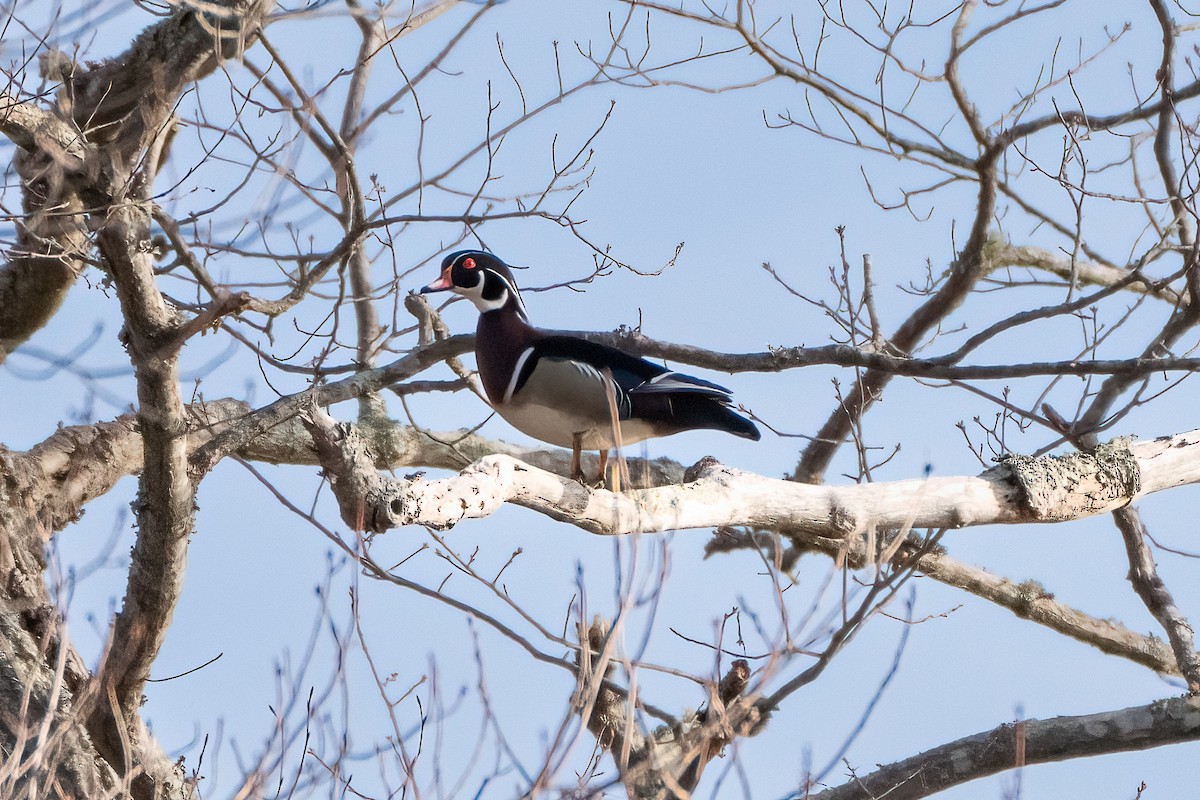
1042,741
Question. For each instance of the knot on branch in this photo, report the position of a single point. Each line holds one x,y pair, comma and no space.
626,337
365,498
375,502
1028,597
703,468
735,681
1059,488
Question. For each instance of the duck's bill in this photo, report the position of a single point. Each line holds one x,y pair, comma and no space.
440,285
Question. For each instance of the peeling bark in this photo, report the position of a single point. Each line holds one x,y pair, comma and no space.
1077,484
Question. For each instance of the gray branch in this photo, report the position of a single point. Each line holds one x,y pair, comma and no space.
1019,744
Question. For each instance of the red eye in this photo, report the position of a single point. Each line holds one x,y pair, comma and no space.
469,263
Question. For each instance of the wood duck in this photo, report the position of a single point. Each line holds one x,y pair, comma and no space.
564,390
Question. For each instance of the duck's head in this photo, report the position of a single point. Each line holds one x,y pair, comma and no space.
480,277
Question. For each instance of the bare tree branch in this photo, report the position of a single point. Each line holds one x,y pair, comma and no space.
1020,489
1038,741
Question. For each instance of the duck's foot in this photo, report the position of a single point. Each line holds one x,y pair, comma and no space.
577,461
599,482
602,476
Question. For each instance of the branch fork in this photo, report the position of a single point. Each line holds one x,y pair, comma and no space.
667,763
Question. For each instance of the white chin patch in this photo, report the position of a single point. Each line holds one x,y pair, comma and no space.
475,295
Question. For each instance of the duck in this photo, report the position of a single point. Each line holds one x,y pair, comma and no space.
568,391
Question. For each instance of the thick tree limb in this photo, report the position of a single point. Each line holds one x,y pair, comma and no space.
47,687
1028,742
46,744
52,482
165,506
106,116
259,423
1048,489
35,129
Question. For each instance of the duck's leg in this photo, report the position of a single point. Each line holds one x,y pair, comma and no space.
576,450
602,478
